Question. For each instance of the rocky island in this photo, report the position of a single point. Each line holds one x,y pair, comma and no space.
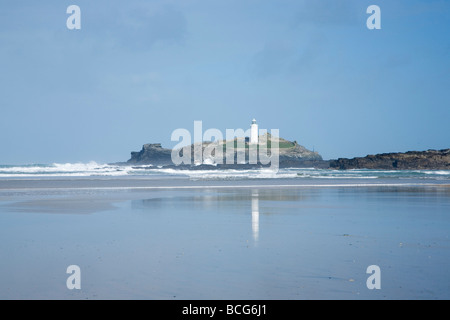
291,154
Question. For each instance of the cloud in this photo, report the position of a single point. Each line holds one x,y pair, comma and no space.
142,27
132,25
288,58
306,41
309,54
273,58
397,61
328,12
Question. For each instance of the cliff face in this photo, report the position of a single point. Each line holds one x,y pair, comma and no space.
151,153
412,160
291,153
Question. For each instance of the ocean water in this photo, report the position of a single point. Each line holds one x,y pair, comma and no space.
93,169
139,233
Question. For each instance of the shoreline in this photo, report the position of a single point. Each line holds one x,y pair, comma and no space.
182,183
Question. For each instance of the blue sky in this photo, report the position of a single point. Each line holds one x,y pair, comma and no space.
137,70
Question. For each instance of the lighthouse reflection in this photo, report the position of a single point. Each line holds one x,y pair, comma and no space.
224,203
255,215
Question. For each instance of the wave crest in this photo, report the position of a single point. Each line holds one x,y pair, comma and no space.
92,169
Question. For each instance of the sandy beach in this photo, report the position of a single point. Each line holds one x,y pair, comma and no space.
182,239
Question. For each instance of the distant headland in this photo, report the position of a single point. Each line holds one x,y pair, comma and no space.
411,160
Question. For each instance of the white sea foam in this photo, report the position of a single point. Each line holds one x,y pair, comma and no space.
93,169
64,170
438,172
239,174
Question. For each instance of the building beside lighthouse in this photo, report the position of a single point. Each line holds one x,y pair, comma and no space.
254,132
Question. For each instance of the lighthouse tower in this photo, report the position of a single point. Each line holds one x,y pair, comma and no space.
254,132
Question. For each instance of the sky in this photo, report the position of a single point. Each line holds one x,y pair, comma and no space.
138,70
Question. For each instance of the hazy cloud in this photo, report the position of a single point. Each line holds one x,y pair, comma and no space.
288,58
328,12
145,26
136,25
310,52
397,60
273,59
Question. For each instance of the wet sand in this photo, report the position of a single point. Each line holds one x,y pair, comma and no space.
210,240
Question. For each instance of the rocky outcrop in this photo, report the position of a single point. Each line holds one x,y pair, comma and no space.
151,153
412,160
291,154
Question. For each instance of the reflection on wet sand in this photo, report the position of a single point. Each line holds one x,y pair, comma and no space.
255,215
218,199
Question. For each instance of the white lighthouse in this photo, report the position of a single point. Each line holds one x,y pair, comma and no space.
254,132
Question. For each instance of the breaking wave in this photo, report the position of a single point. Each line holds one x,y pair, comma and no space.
94,169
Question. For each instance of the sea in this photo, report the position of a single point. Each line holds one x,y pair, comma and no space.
147,232
93,169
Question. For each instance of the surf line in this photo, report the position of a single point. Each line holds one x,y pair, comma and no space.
268,186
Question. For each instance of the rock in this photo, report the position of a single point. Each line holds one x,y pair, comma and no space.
291,154
412,160
152,153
